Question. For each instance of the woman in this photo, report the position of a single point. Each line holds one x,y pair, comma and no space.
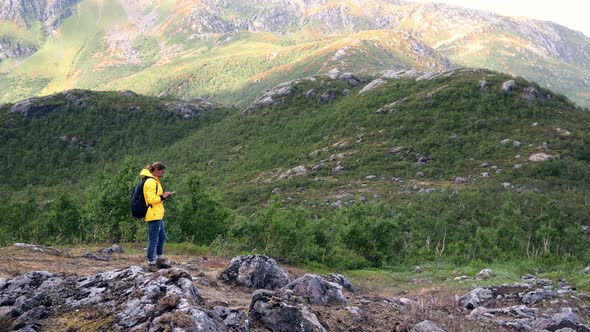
155,196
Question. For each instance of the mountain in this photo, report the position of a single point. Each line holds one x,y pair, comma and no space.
232,51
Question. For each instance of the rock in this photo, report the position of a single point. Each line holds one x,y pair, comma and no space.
391,107
316,290
508,86
516,144
541,157
371,177
478,297
234,320
531,94
460,278
460,180
420,174
254,271
310,94
276,190
586,270
135,298
279,312
483,85
295,171
563,132
517,166
334,73
128,93
46,250
505,141
328,97
485,175
351,79
485,165
565,319
163,95
340,280
374,84
104,254
537,295
484,274
189,110
506,185
426,326
338,169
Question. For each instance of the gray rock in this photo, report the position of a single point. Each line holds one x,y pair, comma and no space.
137,299
374,84
476,298
340,280
44,249
371,177
339,169
317,290
484,274
516,144
586,270
281,312
426,326
328,97
276,190
310,94
537,295
128,93
565,319
234,320
508,86
460,180
254,271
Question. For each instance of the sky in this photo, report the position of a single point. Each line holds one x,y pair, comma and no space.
570,13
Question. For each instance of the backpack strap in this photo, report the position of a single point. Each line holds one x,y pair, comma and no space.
143,184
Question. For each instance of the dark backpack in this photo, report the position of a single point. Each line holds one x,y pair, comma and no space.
138,205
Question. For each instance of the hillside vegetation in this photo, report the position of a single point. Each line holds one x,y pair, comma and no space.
444,168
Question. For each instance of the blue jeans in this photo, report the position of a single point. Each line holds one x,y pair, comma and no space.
156,238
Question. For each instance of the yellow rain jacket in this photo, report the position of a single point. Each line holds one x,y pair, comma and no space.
152,189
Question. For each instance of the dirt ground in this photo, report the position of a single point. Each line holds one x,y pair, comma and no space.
377,311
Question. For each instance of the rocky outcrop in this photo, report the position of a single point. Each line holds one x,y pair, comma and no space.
316,290
15,49
104,254
254,271
281,311
25,13
133,299
189,109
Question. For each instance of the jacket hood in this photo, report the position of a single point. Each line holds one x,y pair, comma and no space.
145,172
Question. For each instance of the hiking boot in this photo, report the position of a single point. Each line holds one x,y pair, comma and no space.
162,263
152,267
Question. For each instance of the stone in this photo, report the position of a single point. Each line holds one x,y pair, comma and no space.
508,86
339,169
516,144
541,157
371,177
586,270
136,298
317,290
537,295
460,180
280,312
340,280
565,319
426,326
478,297
374,84
254,271
44,249
484,274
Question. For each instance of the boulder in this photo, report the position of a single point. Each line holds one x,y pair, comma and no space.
541,156
426,326
476,298
508,86
44,249
317,290
139,300
281,312
537,295
565,319
340,280
374,84
484,274
254,271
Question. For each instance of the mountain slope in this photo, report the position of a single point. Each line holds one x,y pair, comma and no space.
234,50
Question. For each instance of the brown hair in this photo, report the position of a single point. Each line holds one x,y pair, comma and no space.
156,166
